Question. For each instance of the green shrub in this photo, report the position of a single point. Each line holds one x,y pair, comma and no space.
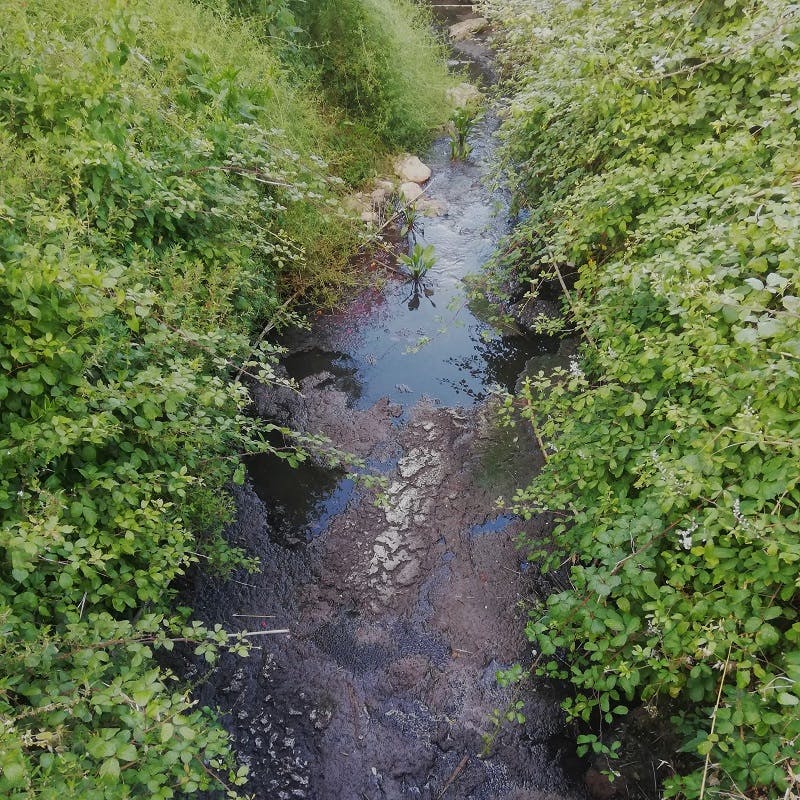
162,189
380,61
655,148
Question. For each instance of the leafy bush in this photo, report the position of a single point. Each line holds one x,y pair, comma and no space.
160,194
380,61
654,147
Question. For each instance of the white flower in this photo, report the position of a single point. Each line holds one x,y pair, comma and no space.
574,368
686,536
741,521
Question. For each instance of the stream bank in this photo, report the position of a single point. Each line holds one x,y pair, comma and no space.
401,613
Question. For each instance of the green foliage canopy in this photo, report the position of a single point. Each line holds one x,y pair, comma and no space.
161,191
654,147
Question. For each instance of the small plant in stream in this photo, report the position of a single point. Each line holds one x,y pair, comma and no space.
418,262
411,225
462,123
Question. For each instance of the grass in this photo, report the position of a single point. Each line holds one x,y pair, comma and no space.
381,62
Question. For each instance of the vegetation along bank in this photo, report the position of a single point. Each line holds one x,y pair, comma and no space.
653,150
170,173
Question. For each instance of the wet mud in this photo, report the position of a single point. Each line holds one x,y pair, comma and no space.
400,615
400,611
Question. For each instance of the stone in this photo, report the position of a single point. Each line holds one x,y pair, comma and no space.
369,217
410,169
431,208
410,191
469,27
358,203
379,196
409,573
465,94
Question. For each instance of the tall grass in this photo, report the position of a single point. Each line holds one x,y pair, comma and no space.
380,61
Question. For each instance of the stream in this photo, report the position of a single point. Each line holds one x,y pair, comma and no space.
401,614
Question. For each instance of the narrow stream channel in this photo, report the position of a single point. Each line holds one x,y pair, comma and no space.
399,615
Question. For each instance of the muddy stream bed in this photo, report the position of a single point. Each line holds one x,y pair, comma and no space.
399,615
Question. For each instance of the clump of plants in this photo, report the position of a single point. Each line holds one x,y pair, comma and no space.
410,222
380,60
419,261
161,198
654,147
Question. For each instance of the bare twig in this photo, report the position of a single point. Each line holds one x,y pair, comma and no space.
714,720
267,328
456,772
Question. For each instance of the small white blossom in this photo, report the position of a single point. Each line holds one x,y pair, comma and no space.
686,536
741,521
574,368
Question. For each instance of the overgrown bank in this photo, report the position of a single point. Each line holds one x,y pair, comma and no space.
653,146
165,184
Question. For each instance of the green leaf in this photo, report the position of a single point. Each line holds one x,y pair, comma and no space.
767,635
109,769
638,405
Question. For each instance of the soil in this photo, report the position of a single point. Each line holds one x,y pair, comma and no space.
400,615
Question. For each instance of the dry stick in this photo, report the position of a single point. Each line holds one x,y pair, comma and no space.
569,300
195,343
247,172
650,541
242,583
269,326
456,772
398,213
538,439
216,777
714,719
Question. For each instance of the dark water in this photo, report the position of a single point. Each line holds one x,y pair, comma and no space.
384,344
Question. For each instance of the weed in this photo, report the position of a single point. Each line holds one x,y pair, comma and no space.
462,123
411,225
418,261
381,62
